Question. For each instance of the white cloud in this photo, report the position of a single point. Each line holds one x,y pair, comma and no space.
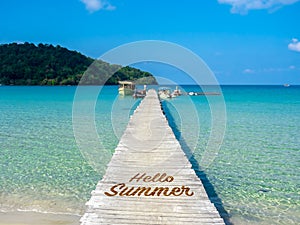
278,69
294,45
292,67
243,6
248,71
95,5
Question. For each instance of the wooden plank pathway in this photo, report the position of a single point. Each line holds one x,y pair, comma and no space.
149,179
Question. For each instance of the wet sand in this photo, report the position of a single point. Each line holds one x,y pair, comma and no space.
34,218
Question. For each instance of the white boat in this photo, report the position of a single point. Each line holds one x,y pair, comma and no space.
286,85
126,87
164,93
176,92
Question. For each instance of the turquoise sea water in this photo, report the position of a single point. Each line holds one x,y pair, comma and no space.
255,172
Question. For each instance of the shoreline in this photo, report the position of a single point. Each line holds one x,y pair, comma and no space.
37,218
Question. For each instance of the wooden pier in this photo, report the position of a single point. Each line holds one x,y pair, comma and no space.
149,180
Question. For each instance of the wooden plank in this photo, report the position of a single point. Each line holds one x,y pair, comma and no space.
149,179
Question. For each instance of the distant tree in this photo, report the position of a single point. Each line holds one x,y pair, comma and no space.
45,64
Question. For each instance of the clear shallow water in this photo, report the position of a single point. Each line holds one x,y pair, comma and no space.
256,171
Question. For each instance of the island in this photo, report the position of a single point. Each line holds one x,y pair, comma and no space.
45,64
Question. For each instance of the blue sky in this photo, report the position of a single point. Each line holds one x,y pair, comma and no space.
242,41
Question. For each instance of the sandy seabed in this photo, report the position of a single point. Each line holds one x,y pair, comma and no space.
35,218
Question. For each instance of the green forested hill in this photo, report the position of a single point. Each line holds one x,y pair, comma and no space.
28,64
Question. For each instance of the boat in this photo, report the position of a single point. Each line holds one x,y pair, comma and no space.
140,93
286,85
176,92
192,93
164,93
126,87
